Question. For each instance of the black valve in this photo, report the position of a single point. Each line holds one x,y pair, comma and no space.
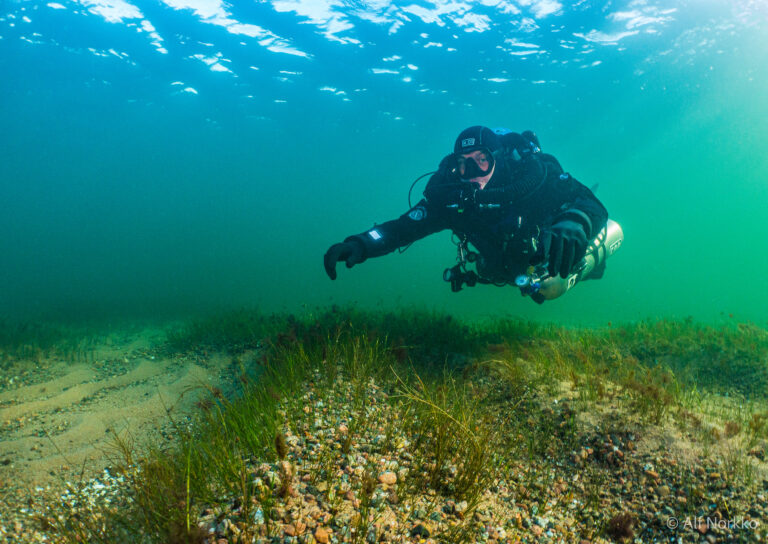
458,278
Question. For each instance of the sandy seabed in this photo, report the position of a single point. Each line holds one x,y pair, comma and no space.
58,419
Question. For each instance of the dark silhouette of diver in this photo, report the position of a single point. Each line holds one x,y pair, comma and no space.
531,224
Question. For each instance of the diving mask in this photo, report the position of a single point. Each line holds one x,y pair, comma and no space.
476,164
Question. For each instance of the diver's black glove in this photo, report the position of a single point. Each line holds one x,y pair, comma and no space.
445,185
447,172
565,244
351,252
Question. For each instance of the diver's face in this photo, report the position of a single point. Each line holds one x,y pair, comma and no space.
483,162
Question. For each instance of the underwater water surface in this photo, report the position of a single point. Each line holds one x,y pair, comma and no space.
173,157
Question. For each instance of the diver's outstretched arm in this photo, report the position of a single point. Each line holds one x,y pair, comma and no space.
416,223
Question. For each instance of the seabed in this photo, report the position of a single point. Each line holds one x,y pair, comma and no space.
348,426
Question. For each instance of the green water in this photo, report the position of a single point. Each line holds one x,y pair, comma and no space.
120,199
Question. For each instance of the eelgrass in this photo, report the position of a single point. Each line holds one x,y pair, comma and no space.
453,437
32,341
29,339
459,442
231,331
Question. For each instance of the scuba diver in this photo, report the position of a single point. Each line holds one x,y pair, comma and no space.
529,223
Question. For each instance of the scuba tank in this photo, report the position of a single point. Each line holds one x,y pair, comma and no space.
540,286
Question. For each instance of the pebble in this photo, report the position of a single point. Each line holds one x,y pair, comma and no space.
420,529
294,530
321,535
392,497
388,478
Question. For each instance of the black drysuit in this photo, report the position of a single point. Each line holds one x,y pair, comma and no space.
527,193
